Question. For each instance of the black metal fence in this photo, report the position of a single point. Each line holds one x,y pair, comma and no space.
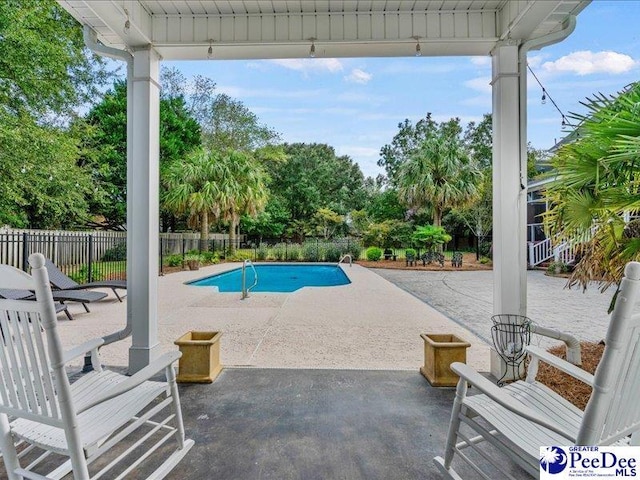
94,256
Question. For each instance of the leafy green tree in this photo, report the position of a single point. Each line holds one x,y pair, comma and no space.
431,237
327,222
598,181
271,223
44,65
405,143
35,192
313,177
478,138
232,126
105,149
438,176
388,234
198,94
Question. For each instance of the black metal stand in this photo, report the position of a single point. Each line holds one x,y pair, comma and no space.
511,334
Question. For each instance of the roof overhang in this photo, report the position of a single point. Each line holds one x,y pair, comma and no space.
243,29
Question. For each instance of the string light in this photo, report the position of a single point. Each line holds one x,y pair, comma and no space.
210,50
312,49
127,23
418,48
546,95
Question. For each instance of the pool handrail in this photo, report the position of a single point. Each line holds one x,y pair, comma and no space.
344,257
245,290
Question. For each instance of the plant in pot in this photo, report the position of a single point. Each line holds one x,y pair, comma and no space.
193,260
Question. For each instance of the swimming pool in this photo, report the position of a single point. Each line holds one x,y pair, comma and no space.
282,278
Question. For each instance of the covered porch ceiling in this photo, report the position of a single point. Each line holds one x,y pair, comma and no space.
144,32
262,29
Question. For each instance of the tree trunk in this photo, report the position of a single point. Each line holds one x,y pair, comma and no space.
437,217
204,232
232,235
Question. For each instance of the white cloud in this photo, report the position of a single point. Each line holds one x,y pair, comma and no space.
480,84
358,76
240,92
307,65
534,61
587,62
484,61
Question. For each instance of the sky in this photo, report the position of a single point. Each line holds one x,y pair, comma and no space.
356,104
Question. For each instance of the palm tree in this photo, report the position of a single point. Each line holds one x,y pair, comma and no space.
439,175
210,186
598,181
193,187
243,190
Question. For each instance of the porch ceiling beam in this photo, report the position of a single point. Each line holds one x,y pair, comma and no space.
114,15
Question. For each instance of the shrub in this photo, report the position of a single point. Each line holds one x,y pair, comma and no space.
116,253
82,274
293,252
193,257
355,250
278,251
373,254
310,252
174,260
555,268
332,253
322,251
210,257
262,252
484,260
240,256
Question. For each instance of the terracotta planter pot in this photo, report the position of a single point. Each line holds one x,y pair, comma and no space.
193,264
200,361
440,351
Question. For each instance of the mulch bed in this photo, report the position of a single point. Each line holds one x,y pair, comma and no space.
568,387
469,262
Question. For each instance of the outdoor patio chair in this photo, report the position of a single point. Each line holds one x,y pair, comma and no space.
15,294
83,420
61,281
60,296
522,417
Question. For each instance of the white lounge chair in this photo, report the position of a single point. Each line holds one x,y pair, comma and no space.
83,420
522,417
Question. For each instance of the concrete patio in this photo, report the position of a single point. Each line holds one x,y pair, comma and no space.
369,324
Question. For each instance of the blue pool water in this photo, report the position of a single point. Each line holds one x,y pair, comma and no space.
277,278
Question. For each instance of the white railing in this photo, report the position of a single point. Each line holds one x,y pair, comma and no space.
540,252
564,253
344,257
245,290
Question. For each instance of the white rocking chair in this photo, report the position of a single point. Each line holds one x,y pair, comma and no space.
522,417
83,420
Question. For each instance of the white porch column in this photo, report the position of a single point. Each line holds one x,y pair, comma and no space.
142,207
509,187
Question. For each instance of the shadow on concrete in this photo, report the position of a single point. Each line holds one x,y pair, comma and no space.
315,424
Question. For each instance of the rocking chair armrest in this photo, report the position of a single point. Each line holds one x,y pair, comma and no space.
80,350
130,383
505,400
560,364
